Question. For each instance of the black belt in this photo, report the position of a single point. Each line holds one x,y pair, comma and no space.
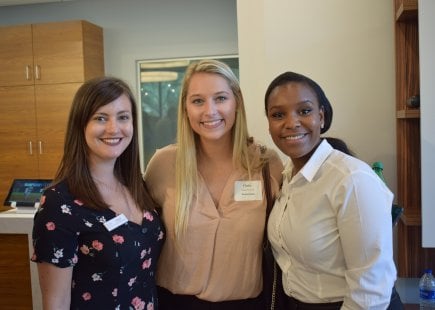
296,304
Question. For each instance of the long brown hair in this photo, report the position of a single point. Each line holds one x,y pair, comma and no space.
74,166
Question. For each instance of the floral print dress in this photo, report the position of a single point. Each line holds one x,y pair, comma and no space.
112,269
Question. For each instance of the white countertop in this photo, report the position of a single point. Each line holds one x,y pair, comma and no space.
13,222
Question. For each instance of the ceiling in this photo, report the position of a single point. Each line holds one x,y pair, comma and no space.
23,2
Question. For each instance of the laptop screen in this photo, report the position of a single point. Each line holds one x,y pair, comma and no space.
26,192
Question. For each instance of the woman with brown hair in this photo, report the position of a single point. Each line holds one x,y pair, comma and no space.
97,235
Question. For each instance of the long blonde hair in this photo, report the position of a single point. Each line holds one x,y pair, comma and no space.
186,160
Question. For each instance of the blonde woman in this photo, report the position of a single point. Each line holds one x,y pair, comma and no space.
210,188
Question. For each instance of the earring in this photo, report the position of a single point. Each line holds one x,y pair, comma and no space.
322,126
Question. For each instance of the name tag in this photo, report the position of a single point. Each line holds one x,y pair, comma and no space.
247,191
115,222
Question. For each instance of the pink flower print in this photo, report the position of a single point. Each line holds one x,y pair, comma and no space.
131,282
87,296
84,249
150,306
78,202
148,216
118,239
146,263
143,253
97,245
115,292
42,200
50,226
75,259
138,303
160,236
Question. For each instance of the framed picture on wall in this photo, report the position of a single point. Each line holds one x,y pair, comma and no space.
159,83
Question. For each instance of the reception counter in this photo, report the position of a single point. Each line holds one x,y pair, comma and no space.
19,284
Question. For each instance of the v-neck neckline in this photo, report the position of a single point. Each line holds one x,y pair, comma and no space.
217,203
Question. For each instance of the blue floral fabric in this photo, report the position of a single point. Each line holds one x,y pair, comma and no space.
112,269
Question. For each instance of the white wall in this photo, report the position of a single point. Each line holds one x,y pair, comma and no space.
348,48
426,20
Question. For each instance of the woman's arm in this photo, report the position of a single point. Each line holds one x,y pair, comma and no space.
276,167
55,286
365,229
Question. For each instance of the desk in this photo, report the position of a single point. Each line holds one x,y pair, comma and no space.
19,283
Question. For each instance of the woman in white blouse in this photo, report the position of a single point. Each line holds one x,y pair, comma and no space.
330,228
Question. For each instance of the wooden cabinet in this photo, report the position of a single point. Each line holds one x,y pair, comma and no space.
52,108
16,55
412,258
19,281
42,66
65,52
17,133
15,282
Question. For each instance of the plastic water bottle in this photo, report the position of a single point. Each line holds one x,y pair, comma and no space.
396,210
427,290
378,168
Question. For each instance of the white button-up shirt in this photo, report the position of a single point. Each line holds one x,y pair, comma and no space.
331,232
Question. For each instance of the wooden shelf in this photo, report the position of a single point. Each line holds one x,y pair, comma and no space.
411,218
406,10
414,113
412,257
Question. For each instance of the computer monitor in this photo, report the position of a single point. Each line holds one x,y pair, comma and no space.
26,192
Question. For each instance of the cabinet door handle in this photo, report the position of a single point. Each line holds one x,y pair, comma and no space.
37,72
28,72
40,146
30,148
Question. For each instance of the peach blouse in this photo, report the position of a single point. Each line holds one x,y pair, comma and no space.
219,257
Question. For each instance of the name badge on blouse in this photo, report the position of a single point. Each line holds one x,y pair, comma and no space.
247,191
115,222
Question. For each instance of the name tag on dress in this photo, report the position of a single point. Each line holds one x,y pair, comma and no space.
247,191
115,222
